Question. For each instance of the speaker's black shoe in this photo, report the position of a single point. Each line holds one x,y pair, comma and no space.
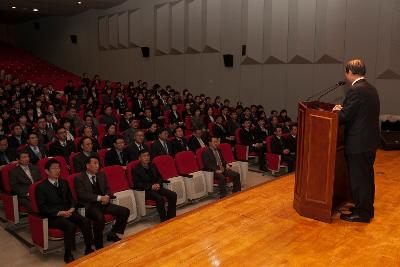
353,217
113,237
88,251
68,258
351,209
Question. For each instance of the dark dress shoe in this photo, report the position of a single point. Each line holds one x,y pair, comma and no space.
68,258
354,218
88,251
351,209
113,237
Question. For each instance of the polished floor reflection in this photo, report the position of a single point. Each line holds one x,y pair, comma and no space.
259,227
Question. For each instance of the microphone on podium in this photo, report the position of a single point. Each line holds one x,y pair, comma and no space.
324,92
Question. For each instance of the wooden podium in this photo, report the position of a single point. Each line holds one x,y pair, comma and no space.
321,181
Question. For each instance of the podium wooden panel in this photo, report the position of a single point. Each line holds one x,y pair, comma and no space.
321,180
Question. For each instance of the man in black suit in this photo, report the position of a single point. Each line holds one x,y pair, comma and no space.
124,124
93,192
82,157
220,130
35,151
55,202
360,115
278,146
147,120
129,134
138,105
214,161
21,177
17,138
45,134
7,155
146,177
197,140
117,155
179,143
62,147
247,138
132,151
291,141
161,146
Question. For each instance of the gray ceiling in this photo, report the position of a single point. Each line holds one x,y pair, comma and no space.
24,10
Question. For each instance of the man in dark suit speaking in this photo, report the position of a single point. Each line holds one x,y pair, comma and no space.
360,115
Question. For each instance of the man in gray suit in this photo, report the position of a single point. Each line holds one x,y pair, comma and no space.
21,177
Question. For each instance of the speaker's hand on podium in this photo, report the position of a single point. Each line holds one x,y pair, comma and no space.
337,108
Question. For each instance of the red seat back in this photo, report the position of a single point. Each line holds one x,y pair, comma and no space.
186,162
63,163
6,177
268,141
166,166
101,128
199,158
227,153
21,147
237,135
102,155
71,182
71,161
129,168
116,178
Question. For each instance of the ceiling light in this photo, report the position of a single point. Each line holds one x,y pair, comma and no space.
35,10
79,3
13,7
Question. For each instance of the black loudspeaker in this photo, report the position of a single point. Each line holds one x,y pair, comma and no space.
74,39
36,25
390,140
145,51
244,48
228,60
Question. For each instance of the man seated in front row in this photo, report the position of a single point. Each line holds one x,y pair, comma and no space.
214,161
93,192
55,202
132,150
146,177
21,177
179,143
278,146
161,146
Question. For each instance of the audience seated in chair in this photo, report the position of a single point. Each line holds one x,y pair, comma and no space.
62,147
55,202
161,146
87,152
179,143
7,155
132,150
117,155
35,151
197,140
248,139
21,177
214,161
129,133
278,146
146,177
17,138
109,138
94,194
152,134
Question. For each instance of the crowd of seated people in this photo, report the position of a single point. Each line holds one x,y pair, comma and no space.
134,122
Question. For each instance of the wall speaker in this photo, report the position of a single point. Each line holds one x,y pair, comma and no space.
228,60
244,50
74,39
145,51
36,25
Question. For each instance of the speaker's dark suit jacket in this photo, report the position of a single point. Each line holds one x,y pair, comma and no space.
143,179
113,159
20,182
84,189
158,149
51,199
360,114
56,149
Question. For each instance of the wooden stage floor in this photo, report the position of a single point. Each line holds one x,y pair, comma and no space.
259,227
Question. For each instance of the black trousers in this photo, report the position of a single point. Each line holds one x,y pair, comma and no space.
237,186
362,181
261,155
158,197
69,225
96,211
290,160
25,202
